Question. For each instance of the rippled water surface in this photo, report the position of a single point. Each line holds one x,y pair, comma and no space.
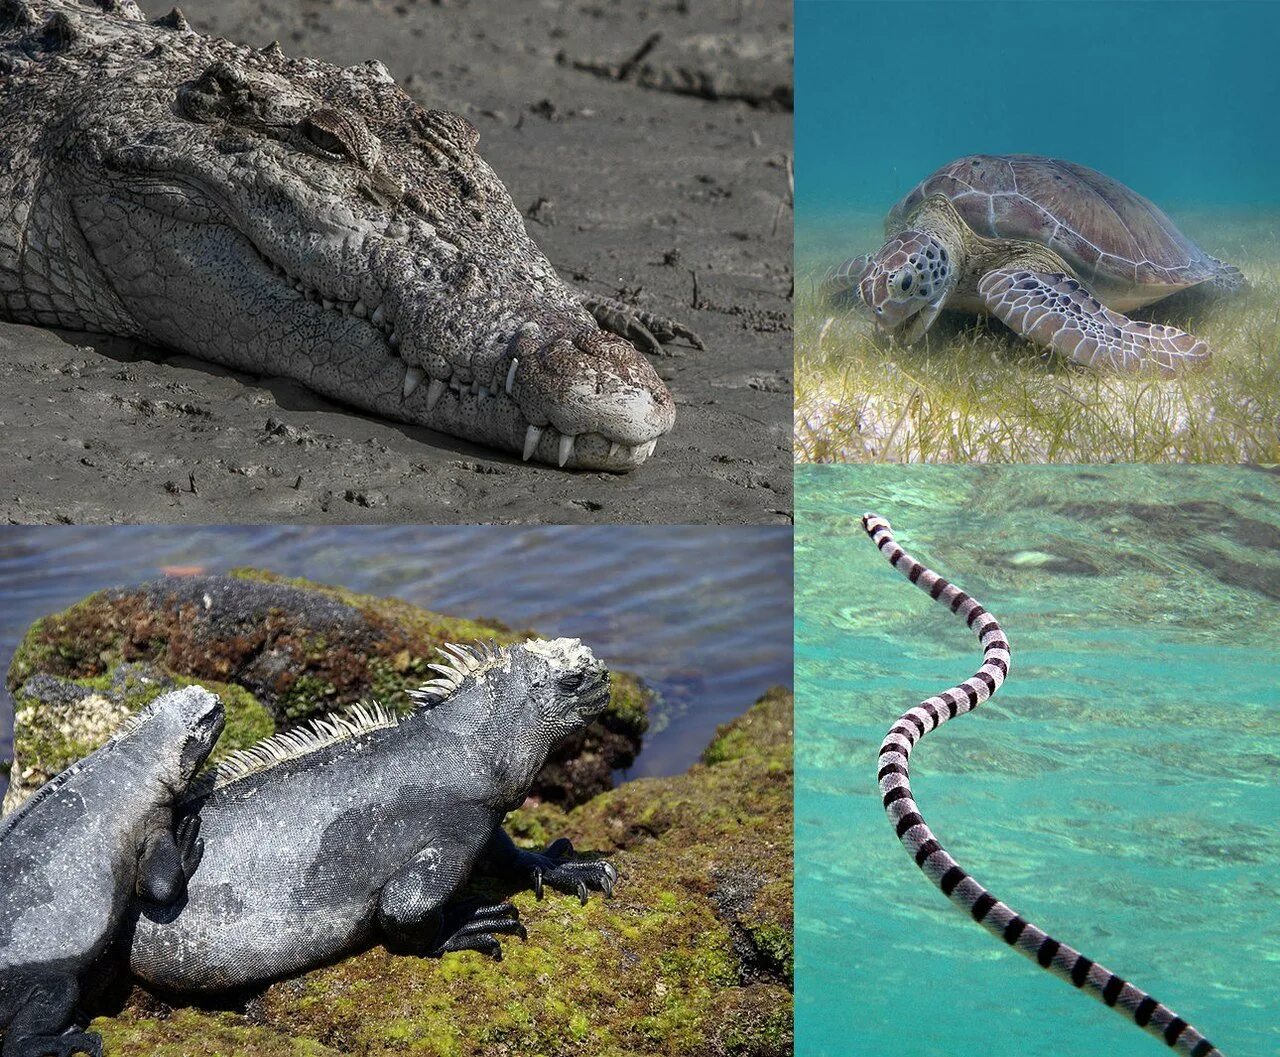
702,615
1122,790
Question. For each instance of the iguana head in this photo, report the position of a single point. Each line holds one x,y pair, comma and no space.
170,739
516,704
288,217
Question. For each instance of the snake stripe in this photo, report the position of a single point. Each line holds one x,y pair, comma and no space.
937,864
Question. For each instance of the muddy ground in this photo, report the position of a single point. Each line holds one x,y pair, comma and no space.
663,177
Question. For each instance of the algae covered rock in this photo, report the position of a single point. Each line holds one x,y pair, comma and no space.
692,956
285,650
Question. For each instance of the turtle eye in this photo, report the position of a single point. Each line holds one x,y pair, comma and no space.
905,281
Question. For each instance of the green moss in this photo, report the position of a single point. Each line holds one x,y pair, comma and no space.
209,1034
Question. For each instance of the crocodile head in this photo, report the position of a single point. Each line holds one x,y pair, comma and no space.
171,738
283,216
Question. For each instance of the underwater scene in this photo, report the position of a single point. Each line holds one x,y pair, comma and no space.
1119,791
1164,98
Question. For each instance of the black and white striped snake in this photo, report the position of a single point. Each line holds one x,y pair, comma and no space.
958,886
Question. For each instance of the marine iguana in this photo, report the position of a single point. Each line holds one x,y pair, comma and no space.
960,887
284,216
75,855
363,827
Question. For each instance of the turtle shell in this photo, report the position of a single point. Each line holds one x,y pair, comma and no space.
1111,236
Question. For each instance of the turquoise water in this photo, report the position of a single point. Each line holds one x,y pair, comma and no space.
1176,99
1121,791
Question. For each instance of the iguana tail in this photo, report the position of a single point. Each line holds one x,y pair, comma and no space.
996,917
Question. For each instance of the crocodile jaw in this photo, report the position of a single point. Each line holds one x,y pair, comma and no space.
552,388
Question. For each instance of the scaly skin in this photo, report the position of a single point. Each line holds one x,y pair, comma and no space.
363,828
284,216
75,855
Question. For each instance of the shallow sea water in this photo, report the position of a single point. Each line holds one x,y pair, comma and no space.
702,615
1121,791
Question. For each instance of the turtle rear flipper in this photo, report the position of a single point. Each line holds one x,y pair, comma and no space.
1055,311
840,286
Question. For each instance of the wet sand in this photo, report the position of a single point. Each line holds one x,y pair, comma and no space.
639,184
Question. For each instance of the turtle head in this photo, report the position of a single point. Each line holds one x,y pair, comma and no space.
906,283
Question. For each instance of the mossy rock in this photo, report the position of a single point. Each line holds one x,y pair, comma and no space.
692,956
292,650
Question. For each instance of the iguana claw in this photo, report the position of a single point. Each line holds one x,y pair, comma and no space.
472,928
554,867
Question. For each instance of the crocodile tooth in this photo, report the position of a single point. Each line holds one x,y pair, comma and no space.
614,448
511,375
326,302
475,386
358,309
566,448
531,437
300,288
412,379
378,316
434,392
393,339
645,450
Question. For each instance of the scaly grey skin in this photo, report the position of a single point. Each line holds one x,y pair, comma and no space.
284,216
363,827
75,855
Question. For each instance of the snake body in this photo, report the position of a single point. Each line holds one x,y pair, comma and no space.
956,884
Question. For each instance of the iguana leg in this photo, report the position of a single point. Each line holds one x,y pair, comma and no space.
42,1005
417,914
1055,311
645,330
554,867
840,286
169,861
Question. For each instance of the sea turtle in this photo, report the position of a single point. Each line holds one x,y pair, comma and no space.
1056,251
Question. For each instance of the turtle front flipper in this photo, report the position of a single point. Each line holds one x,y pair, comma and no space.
840,286
1055,311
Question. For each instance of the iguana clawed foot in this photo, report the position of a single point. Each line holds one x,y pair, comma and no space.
468,927
645,330
557,868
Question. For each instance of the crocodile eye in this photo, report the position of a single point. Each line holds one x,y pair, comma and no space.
571,681
325,133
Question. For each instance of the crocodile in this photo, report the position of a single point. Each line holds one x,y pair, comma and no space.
283,216
80,852
957,884
363,827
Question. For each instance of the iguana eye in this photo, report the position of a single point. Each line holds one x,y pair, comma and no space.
324,133
571,681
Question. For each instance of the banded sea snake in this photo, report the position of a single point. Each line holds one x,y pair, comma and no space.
996,917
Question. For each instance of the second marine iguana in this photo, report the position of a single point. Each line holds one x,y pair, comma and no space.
75,855
364,826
